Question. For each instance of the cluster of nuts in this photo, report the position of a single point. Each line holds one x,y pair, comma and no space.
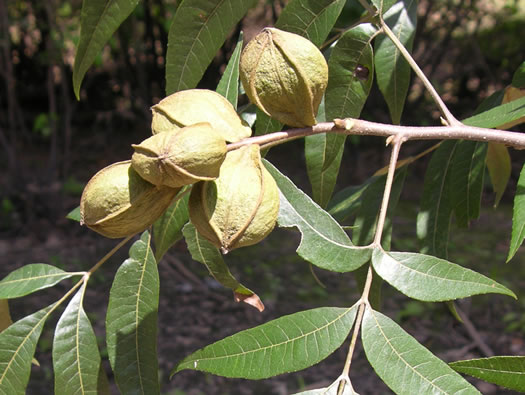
234,200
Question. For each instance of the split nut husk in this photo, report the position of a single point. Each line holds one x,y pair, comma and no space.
181,156
240,207
117,202
285,75
191,106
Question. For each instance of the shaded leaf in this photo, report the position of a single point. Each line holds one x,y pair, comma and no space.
312,19
468,169
206,253
499,115
433,219
131,321
74,214
198,29
518,79
324,243
5,316
167,230
499,166
405,365
229,83
264,124
432,279
392,70
507,371
287,344
331,390
347,201
383,5
98,21
76,358
518,217
31,278
17,347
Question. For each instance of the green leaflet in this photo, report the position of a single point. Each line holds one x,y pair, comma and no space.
312,19
17,347
198,29
432,279
167,230
507,371
324,243
518,217
392,70
76,358
31,278
229,83
98,21
403,364
287,344
131,321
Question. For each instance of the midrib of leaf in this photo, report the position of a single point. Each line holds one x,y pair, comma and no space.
441,189
433,276
402,359
139,292
22,344
513,372
278,344
41,277
172,214
315,18
350,247
77,336
197,38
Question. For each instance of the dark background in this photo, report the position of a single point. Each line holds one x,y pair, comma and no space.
51,145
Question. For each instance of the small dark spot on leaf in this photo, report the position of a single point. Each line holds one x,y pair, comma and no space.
361,72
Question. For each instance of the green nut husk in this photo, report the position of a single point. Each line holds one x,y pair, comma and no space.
192,106
285,75
240,207
117,202
180,157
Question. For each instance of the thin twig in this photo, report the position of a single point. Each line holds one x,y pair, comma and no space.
474,334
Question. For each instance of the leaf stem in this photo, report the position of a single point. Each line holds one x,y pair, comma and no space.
451,120
107,256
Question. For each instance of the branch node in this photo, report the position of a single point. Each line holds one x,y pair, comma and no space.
345,124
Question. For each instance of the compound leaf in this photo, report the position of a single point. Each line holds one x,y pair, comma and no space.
131,321
198,29
287,344
432,279
507,371
76,358
405,365
98,21
17,347
31,278
392,70
312,19
324,243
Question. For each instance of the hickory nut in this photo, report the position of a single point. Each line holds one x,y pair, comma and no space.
192,106
117,202
240,207
285,75
181,156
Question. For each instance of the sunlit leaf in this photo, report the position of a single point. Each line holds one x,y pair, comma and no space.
518,217
333,389
131,321
499,166
507,371
206,253
383,5
392,70
324,243
312,19
468,169
31,278
287,344
76,359
17,347
432,279
167,230
405,365
433,219
98,21
5,315
74,214
499,115
198,29
229,83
